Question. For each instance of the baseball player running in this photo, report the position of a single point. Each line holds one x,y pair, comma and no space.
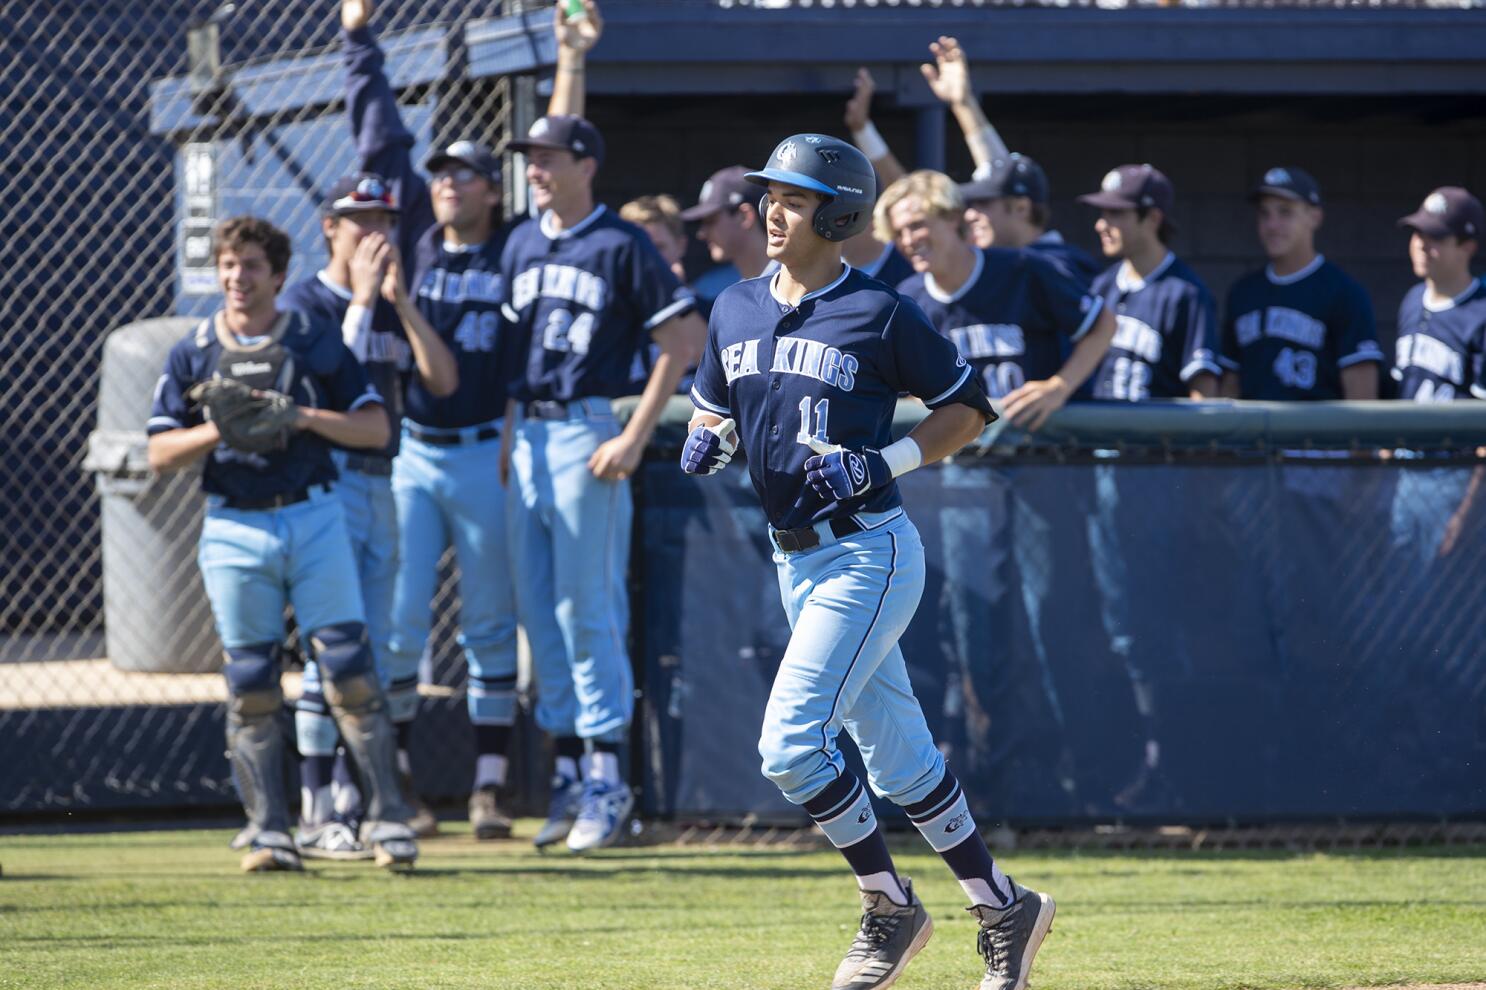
361,290
1299,328
808,365
587,292
260,395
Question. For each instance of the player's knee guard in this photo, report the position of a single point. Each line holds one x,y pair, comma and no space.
343,652
360,709
255,740
251,669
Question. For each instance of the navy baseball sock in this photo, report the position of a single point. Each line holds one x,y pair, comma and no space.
316,801
944,819
844,813
600,761
346,787
569,751
491,743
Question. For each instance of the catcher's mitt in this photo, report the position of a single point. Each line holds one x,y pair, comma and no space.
250,419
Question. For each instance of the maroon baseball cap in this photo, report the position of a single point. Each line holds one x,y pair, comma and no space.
1132,187
563,132
1449,211
725,190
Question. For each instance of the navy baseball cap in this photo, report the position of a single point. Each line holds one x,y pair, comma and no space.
1017,175
1289,183
726,190
563,132
471,153
1132,187
1449,211
359,193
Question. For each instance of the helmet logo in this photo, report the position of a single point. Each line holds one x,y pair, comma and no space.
1111,181
786,153
1277,177
828,155
812,139
1436,203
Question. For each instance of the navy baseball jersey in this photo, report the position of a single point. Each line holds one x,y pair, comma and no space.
1166,332
1072,261
388,357
326,376
1289,337
459,290
1011,318
890,268
1441,353
831,368
585,301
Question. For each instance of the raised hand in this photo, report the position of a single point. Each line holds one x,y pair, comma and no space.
355,14
949,76
581,33
859,107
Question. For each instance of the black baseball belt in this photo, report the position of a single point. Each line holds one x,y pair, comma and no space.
806,538
274,501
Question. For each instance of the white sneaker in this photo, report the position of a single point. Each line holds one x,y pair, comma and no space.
602,813
332,840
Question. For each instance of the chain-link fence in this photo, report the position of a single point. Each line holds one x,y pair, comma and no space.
128,130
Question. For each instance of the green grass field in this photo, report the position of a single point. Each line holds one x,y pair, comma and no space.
169,909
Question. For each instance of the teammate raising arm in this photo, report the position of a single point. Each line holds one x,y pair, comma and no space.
866,252
808,365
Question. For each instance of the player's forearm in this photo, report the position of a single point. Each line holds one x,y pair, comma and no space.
176,449
568,85
366,427
431,356
984,140
1088,352
946,430
664,378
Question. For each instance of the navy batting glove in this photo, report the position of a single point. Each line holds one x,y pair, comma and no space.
707,449
844,474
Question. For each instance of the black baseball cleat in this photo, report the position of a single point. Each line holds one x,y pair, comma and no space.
1010,937
891,934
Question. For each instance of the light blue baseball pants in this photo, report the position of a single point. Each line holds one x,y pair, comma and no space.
848,602
450,494
570,534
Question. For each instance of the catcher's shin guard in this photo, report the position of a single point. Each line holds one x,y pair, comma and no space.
360,710
255,745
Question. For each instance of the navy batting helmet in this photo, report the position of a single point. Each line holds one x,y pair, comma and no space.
834,169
